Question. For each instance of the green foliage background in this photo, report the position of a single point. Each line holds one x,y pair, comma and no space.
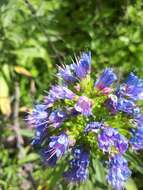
37,35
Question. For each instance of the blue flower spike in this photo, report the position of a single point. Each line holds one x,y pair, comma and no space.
83,118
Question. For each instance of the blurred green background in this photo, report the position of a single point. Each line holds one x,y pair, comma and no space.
35,37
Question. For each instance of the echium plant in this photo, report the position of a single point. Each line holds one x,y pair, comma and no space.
84,116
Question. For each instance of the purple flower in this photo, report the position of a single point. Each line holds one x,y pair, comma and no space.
133,87
71,73
111,103
118,171
106,79
137,139
120,91
84,106
78,170
41,132
57,117
115,104
139,120
59,93
106,90
132,80
67,73
83,66
56,149
49,101
128,106
109,140
93,126
71,111
39,119
39,115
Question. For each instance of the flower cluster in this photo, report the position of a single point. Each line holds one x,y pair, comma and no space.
118,171
78,166
85,116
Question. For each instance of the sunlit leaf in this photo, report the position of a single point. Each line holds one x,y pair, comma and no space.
5,106
22,71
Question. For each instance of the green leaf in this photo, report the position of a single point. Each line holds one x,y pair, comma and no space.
100,173
26,133
130,185
29,158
